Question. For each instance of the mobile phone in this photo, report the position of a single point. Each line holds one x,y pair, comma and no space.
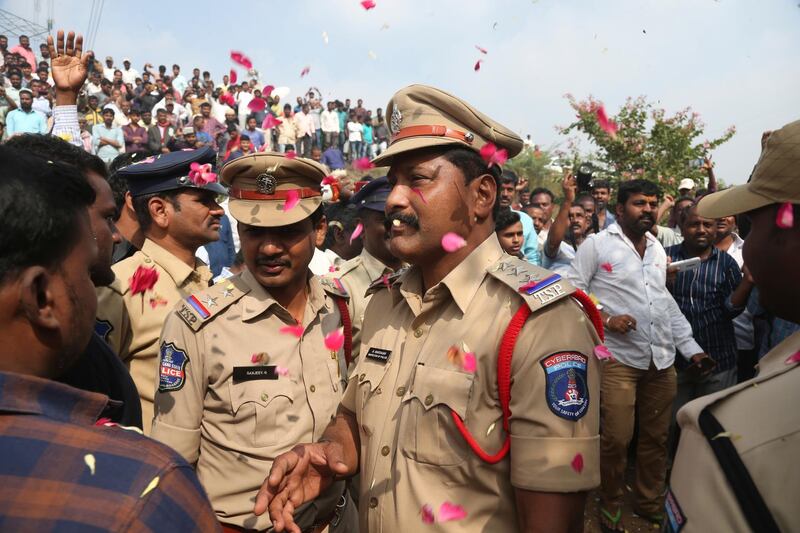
704,366
686,264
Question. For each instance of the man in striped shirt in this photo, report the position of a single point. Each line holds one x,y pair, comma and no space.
710,297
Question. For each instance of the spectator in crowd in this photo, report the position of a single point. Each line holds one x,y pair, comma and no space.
107,141
148,99
24,119
85,135
506,194
509,232
160,134
543,198
134,133
211,125
178,81
42,102
333,158
686,187
538,217
287,131
203,138
337,246
381,133
343,132
255,136
185,139
147,119
567,232
129,74
710,297
15,85
93,113
108,70
601,192
329,121
624,266
244,148
586,200
104,96
315,112
354,136
305,130
24,49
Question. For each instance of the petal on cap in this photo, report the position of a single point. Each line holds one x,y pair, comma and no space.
292,199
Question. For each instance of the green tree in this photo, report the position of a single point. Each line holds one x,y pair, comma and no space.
647,144
536,166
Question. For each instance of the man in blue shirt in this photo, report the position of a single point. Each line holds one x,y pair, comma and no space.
342,123
333,158
601,192
530,246
25,119
256,137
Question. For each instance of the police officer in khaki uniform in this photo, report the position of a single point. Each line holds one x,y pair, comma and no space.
177,216
245,370
422,416
736,468
375,260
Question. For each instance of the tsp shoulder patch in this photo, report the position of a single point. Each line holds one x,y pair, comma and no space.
567,392
172,368
103,328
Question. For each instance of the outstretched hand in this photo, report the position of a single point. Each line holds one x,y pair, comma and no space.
70,67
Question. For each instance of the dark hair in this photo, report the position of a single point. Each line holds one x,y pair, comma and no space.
640,186
53,148
14,72
601,184
595,222
41,205
543,190
472,165
176,65
505,218
119,184
105,81
142,209
509,176
244,137
344,214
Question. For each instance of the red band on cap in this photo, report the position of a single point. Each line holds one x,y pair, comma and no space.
433,131
240,194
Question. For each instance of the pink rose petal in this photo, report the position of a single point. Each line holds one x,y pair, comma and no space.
427,514
795,358
577,463
450,512
334,340
481,49
469,364
363,163
492,156
257,105
296,330
785,218
281,371
452,242
356,232
477,66
329,180
241,59
607,267
270,122
368,4
292,199
291,154
267,91
305,71
233,77
255,358
385,280
608,126
602,352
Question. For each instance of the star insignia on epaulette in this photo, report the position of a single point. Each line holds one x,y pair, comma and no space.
210,302
227,293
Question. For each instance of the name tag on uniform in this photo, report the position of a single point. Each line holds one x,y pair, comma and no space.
378,354
251,373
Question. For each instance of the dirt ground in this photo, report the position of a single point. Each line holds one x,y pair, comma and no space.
632,523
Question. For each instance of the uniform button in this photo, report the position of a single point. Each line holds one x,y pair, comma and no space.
312,388
385,451
373,502
148,260
264,396
418,333
378,391
429,399
361,377
333,355
401,391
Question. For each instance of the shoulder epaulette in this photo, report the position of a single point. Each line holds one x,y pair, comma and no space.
385,282
117,286
345,267
201,307
333,286
536,285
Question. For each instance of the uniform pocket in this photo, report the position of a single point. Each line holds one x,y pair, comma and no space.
260,409
427,433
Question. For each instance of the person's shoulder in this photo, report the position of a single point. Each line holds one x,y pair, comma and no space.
200,308
534,285
343,269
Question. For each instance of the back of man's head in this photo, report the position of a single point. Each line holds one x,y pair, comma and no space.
53,148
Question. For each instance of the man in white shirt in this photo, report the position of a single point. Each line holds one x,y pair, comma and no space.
108,70
305,130
129,74
178,81
625,267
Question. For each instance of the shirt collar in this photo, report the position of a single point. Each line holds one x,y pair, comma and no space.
374,267
177,269
258,300
617,230
23,394
462,282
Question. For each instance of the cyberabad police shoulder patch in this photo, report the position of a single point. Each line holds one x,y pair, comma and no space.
172,369
567,392
103,328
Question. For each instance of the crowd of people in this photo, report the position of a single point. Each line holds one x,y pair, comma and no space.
199,340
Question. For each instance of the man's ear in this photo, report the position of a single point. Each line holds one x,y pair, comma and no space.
619,209
484,190
36,297
320,230
160,210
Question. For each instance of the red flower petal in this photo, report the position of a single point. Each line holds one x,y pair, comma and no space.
267,90
292,199
368,4
282,371
256,358
477,66
257,105
481,49
427,514
452,242
607,267
577,463
356,232
492,156
305,71
363,163
334,340
270,122
241,59
233,77
785,218
385,280
469,364
296,330
795,358
328,180
608,126
291,154
602,352
449,512
144,279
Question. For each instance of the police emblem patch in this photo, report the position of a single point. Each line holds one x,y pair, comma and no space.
172,369
266,183
103,328
567,391
395,120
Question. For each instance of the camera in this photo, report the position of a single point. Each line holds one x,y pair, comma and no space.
584,176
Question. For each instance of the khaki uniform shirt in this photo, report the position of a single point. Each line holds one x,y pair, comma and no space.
132,323
356,275
404,390
232,416
761,419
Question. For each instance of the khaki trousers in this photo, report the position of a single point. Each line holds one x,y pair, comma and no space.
651,392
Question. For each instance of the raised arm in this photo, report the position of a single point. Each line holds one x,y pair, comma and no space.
561,223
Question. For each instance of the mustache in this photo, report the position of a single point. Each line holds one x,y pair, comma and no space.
411,220
272,261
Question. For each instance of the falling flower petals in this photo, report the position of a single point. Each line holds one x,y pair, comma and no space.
785,218
201,175
329,180
144,279
492,156
469,364
292,199
282,371
156,301
270,122
153,484
477,66
241,59
607,267
334,340
363,163
325,37
452,242
259,358
427,514
291,154
227,99
793,358
356,232
368,4
450,512
233,77
481,49
90,462
577,463
257,105
419,193
602,352
608,126
305,71
268,90
296,330
454,355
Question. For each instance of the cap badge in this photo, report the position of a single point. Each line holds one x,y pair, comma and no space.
396,120
266,183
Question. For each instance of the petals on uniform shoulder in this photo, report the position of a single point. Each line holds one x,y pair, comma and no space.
334,286
342,269
385,281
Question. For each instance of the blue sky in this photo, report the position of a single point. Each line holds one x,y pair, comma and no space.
733,61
